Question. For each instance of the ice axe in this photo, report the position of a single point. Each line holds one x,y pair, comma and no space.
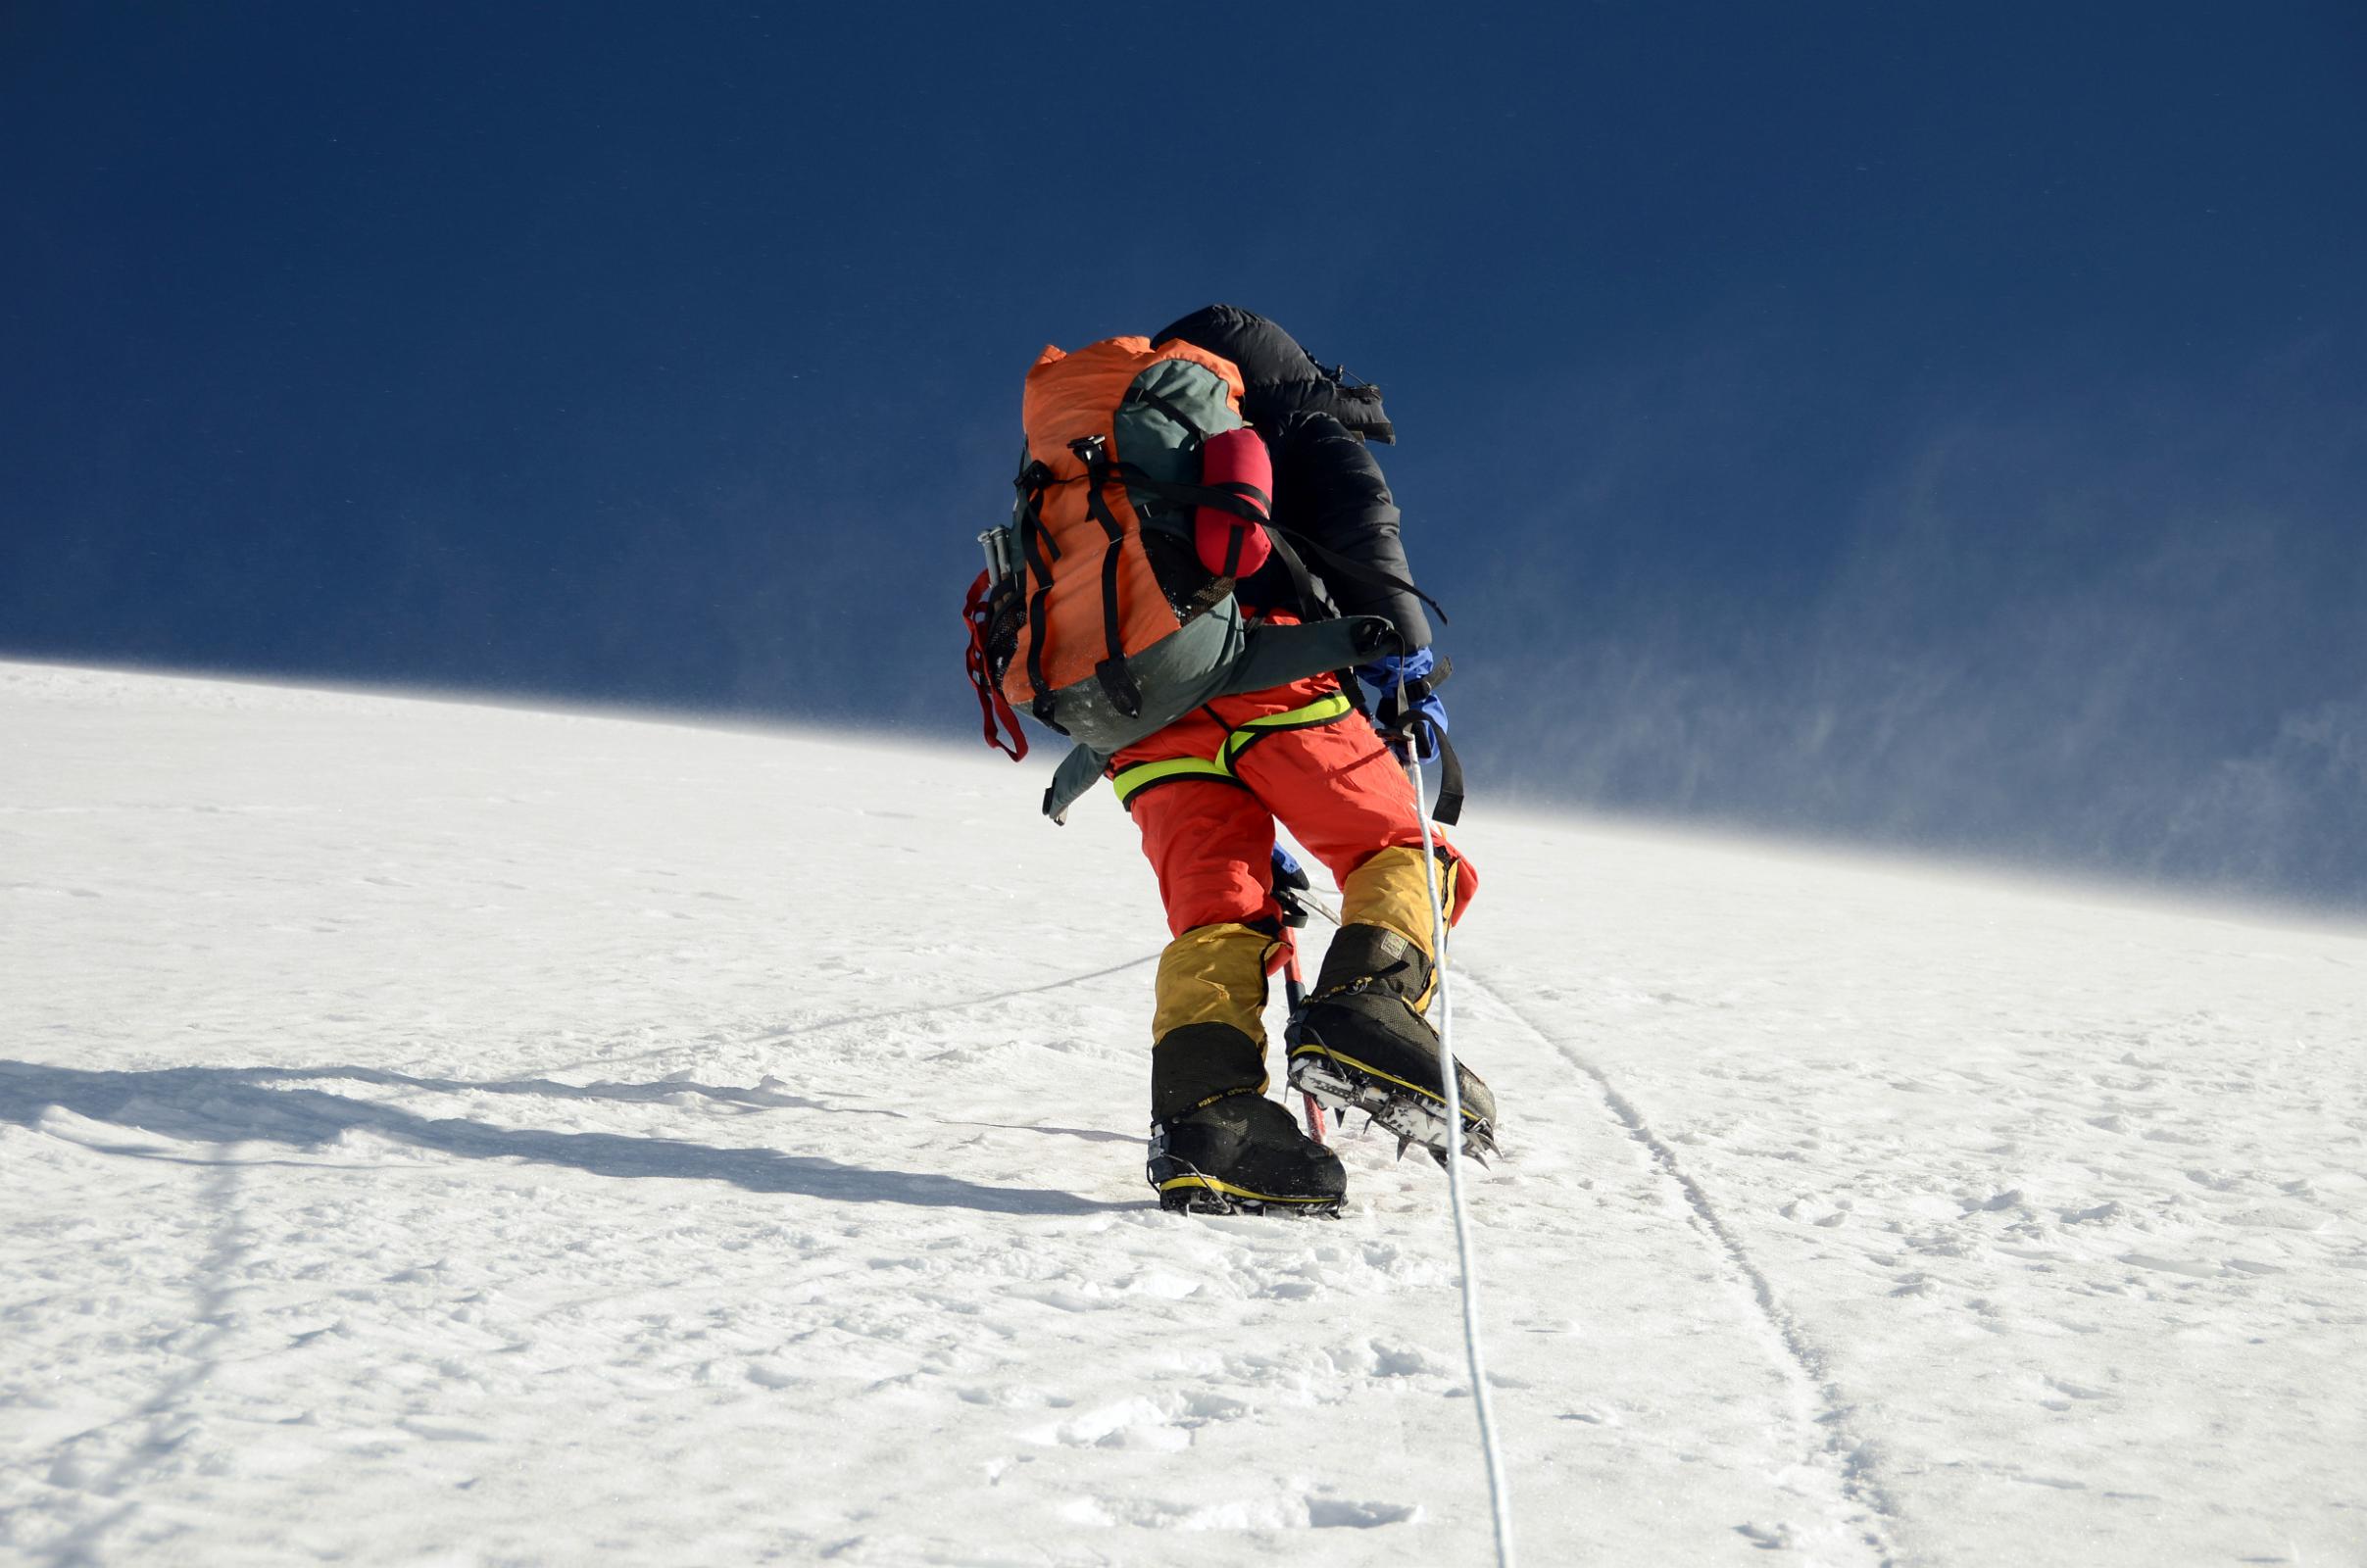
1295,895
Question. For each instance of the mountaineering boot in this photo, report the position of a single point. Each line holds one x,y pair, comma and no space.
1241,1154
1362,1043
1218,1145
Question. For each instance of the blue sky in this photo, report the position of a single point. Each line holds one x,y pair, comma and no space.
1934,426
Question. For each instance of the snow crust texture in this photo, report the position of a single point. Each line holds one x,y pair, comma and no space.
434,1133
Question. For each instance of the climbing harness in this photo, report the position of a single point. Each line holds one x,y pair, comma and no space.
1132,781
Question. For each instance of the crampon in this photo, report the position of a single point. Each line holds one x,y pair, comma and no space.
1414,1114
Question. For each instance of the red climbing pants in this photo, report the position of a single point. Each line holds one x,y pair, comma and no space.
1206,792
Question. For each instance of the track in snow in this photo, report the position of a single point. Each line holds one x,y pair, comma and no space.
1823,1405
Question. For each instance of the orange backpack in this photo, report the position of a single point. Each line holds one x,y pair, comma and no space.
1096,612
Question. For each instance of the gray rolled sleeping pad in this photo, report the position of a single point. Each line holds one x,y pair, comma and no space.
1267,656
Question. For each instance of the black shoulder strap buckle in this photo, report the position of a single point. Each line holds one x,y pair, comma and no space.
1417,690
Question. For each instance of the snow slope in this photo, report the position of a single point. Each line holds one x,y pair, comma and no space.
435,1133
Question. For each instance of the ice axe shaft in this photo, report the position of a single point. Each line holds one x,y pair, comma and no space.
1293,991
1295,901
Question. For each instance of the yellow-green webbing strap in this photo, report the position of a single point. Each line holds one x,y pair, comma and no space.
1132,781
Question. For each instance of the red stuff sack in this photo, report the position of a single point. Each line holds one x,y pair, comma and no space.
1235,461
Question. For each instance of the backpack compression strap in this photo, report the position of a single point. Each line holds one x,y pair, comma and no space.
1116,680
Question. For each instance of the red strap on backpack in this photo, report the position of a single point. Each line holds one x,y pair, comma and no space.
992,705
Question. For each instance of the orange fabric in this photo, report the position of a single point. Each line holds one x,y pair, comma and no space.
1073,395
1069,397
1336,787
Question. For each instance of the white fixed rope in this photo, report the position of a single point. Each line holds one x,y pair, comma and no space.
1500,1495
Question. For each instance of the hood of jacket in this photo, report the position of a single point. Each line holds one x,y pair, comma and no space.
1279,377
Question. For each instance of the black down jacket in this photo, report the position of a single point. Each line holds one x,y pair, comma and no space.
1327,487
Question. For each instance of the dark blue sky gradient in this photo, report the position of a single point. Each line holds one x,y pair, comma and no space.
1937,425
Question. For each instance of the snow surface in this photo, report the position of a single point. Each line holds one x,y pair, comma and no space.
447,1134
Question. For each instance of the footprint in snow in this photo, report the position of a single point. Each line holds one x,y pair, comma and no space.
1338,1513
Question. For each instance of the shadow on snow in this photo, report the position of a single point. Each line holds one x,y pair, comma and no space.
236,1104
